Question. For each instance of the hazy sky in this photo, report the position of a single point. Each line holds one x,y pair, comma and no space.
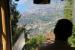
27,5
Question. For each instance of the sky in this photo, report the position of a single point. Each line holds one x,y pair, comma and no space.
27,5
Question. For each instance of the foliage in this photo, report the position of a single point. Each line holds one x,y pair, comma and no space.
16,32
68,15
38,38
72,39
14,17
34,42
68,9
14,20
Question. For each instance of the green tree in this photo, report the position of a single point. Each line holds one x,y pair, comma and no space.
68,15
34,42
14,20
16,31
68,9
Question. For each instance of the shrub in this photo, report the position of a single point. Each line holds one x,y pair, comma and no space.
34,42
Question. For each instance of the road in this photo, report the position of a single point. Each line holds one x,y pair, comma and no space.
20,43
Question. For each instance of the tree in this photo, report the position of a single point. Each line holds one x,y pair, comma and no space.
16,31
68,15
34,42
14,20
68,9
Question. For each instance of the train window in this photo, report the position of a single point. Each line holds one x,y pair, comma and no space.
36,22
